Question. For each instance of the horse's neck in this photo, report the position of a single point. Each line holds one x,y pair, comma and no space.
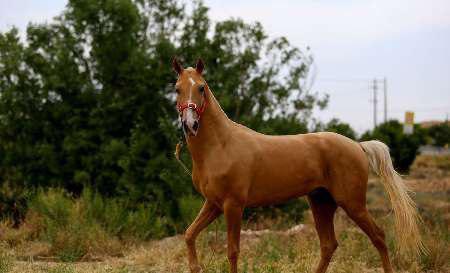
213,131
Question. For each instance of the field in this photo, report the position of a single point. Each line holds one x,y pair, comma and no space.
281,249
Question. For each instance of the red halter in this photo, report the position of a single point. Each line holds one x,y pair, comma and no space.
193,106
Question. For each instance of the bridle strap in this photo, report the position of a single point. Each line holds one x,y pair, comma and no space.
191,105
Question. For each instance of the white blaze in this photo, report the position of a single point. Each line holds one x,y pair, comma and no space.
190,89
190,113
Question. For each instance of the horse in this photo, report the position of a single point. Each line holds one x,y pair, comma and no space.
234,167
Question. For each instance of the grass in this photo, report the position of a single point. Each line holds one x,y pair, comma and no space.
61,269
60,230
6,262
67,229
431,165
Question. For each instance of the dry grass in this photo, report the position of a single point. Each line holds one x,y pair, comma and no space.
426,166
260,252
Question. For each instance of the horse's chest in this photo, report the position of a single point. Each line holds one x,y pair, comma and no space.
212,182
200,180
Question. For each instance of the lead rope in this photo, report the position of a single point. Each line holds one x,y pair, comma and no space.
178,148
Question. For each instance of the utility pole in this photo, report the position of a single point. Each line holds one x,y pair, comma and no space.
375,90
385,99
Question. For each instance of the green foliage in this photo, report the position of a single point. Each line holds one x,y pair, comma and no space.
337,126
190,205
115,216
289,213
403,148
86,101
76,226
13,202
440,134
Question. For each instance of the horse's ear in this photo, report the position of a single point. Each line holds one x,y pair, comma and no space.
176,66
199,66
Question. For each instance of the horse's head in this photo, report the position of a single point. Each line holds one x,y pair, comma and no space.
191,95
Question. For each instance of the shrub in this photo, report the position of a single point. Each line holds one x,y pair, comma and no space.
440,134
143,224
403,148
54,207
91,224
190,206
282,215
13,199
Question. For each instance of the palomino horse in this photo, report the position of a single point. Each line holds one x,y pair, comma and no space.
235,167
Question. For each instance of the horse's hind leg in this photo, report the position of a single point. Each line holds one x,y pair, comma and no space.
361,216
323,208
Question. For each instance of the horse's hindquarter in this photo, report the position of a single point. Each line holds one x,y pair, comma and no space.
290,166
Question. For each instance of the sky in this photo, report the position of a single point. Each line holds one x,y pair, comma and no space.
353,42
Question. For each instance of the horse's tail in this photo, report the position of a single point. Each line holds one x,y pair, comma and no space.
405,211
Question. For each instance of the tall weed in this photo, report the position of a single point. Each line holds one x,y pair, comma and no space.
91,224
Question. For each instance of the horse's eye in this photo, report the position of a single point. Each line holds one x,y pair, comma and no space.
201,88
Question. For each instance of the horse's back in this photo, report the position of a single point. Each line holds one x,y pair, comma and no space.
293,165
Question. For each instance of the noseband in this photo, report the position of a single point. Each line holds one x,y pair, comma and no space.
193,106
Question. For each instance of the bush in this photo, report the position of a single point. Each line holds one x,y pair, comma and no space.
13,202
403,148
440,134
285,214
119,216
190,206
91,224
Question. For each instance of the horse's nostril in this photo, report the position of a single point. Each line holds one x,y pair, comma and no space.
186,128
195,125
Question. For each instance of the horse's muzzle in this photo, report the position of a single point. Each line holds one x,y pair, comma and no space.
190,122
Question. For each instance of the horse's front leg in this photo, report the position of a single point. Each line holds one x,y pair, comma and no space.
207,214
233,215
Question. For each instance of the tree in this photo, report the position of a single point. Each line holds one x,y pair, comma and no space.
337,126
440,134
87,100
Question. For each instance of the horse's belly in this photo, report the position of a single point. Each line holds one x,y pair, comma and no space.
285,174
272,190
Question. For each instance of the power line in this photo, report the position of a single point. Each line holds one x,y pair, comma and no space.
385,98
336,80
375,101
429,109
374,88
375,85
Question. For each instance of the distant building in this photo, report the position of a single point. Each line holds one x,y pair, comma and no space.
431,123
433,150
